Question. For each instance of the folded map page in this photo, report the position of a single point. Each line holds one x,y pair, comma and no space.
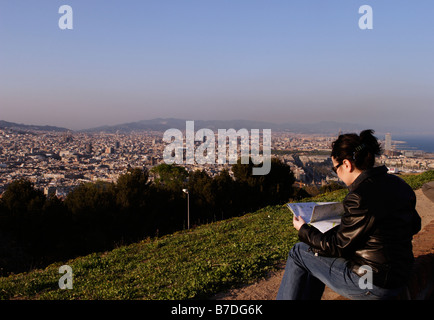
321,215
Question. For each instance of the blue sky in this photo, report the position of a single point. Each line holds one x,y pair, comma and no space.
274,60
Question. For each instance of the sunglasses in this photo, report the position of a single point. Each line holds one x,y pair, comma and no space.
335,168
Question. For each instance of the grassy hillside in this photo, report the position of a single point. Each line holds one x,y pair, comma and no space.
417,180
184,265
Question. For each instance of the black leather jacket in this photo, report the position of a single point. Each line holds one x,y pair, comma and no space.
376,229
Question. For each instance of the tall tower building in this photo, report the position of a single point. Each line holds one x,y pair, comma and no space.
388,142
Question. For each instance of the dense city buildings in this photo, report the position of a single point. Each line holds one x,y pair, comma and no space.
57,161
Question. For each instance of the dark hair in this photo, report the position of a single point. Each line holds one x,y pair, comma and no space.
359,149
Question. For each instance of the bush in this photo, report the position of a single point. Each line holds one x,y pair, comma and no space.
418,180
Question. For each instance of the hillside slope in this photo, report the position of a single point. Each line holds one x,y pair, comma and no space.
185,265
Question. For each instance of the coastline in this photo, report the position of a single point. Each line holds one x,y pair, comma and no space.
423,143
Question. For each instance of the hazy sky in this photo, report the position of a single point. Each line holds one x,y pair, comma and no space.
271,60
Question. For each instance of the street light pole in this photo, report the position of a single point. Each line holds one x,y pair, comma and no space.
188,207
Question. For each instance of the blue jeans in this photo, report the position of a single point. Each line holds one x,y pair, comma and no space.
306,275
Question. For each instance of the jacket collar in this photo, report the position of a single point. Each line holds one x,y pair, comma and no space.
367,174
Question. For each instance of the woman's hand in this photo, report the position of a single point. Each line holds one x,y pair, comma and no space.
297,222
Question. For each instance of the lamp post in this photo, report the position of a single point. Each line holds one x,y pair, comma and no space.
188,207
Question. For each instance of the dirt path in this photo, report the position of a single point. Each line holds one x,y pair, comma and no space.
266,289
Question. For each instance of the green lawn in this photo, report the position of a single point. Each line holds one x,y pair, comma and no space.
184,265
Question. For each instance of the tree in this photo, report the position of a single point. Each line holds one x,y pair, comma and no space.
278,183
261,190
54,230
21,198
92,208
135,199
20,224
225,196
23,206
333,186
243,173
132,189
170,176
248,194
312,190
202,197
91,199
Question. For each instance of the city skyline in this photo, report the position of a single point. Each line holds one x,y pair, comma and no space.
61,161
275,61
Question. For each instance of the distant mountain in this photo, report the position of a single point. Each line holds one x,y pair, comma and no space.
27,127
162,124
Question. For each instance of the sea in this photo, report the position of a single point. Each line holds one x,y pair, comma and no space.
414,142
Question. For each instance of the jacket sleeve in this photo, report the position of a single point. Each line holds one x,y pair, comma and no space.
416,222
343,239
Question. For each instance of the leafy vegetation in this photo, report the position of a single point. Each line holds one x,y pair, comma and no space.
416,181
36,231
184,265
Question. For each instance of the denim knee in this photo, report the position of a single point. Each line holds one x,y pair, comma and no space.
298,248
297,251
